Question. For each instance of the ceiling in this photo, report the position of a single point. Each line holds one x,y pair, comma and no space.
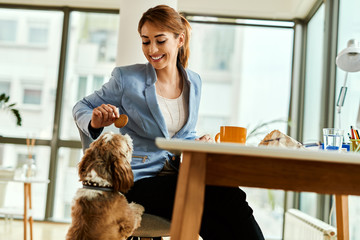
268,9
263,9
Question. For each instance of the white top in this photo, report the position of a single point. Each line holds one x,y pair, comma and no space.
175,111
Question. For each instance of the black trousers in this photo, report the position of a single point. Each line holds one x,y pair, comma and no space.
226,215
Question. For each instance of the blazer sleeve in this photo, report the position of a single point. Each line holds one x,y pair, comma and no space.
110,93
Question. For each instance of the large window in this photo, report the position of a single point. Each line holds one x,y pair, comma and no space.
11,193
29,75
313,88
349,28
32,71
313,76
30,46
91,58
233,61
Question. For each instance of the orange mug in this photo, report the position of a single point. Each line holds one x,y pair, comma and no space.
231,134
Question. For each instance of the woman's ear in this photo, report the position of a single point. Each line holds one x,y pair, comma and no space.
181,40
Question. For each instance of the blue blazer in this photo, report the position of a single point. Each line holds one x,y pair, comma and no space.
132,90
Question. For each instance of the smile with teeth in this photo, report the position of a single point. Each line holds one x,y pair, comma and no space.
157,58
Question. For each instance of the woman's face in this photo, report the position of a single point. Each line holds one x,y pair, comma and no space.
160,47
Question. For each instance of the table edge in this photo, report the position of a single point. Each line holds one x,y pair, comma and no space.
177,146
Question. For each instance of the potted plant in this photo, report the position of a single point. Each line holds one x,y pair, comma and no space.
6,106
7,172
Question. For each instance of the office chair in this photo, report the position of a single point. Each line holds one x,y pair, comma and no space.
152,227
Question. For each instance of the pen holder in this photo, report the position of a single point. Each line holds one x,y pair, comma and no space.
355,145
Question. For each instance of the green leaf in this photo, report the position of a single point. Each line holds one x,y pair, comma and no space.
3,100
17,115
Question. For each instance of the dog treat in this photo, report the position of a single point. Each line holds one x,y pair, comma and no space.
121,121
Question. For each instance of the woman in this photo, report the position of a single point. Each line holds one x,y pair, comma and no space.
161,99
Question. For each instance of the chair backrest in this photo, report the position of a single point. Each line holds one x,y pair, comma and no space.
85,140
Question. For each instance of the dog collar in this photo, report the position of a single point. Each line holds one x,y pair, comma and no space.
95,186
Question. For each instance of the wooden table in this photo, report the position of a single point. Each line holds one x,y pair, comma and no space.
228,164
28,219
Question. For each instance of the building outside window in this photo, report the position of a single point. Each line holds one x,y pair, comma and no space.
5,87
32,95
8,30
38,32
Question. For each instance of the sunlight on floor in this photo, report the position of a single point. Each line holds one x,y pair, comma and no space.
14,230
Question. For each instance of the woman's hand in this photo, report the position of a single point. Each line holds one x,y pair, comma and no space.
104,115
205,138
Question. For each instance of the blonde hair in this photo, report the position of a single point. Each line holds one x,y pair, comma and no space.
170,20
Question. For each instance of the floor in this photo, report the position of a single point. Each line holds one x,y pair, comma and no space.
13,230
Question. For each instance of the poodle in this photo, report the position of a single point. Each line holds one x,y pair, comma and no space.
99,209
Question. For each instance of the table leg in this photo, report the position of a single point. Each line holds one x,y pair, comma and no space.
342,217
189,198
25,208
31,212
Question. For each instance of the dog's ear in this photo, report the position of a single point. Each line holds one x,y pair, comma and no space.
123,177
84,163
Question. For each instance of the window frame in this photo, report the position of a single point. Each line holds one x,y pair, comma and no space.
55,143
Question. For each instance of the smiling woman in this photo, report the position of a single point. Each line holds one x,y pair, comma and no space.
161,50
165,40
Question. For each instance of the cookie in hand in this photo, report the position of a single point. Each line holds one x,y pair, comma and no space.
121,121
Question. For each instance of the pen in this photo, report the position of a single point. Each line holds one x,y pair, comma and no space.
349,136
312,144
356,134
352,132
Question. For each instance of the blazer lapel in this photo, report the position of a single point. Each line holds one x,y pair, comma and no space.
191,114
150,96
